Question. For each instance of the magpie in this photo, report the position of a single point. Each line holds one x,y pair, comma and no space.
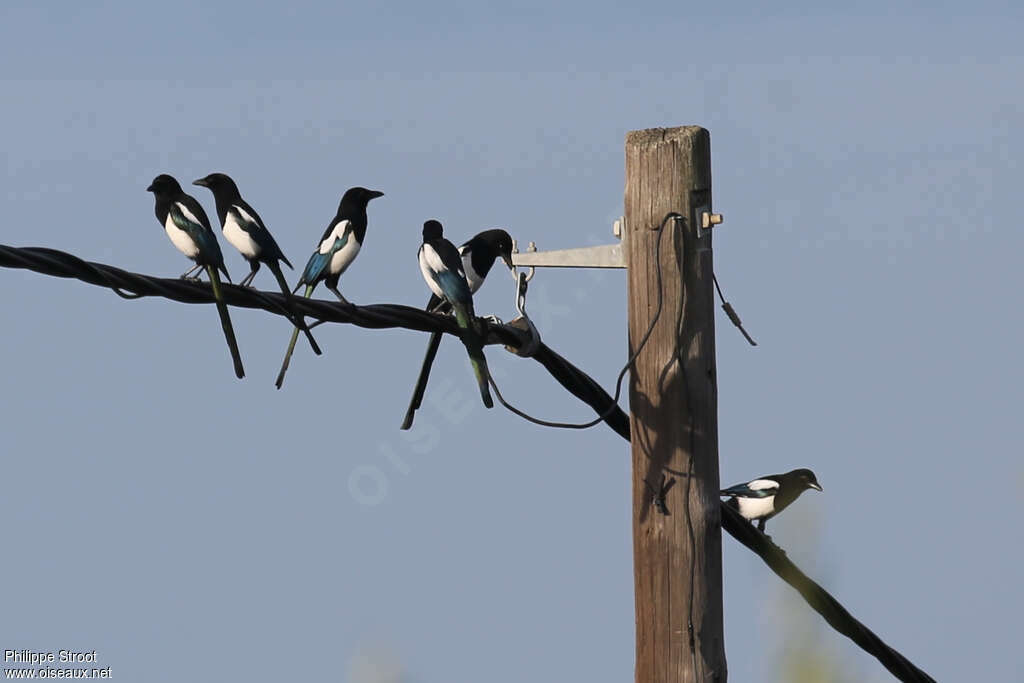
245,230
762,499
337,249
478,255
186,224
443,272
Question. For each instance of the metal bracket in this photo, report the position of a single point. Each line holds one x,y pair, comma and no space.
604,256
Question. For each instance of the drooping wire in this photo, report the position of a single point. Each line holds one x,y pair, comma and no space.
672,215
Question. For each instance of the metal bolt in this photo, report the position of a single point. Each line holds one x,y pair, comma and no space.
709,219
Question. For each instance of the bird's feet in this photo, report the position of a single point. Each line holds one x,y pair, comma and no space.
493,320
341,298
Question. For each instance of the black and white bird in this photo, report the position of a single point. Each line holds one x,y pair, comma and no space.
478,255
188,228
338,247
243,228
761,499
443,272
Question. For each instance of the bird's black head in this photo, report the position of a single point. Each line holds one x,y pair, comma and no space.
164,185
432,230
356,199
219,184
500,242
806,479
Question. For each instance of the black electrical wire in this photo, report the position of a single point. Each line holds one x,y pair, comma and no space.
819,599
734,317
131,285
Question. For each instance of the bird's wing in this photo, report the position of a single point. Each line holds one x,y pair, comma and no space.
440,263
474,273
193,207
336,237
186,219
247,220
190,218
759,488
449,256
251,222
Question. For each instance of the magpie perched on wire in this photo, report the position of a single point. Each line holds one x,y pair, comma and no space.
245,230
761,499
443,272
189,229
478,255
337,249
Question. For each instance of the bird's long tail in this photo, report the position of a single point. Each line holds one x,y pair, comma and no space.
475,347
421,382
291,346
225,321
286,290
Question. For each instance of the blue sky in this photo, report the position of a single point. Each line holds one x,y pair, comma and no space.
179,521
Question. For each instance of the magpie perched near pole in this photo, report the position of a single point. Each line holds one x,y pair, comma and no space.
245,230
761,499
478,255
186,224
443,272
337,249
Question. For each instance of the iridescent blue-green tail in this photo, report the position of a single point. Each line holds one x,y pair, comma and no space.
225,321
275,268
475,347
291,346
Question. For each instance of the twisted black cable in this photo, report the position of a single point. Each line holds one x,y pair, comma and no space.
820,600
133,285
377,316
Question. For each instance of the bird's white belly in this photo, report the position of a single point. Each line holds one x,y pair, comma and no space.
343,258
756,508
239,238
180,239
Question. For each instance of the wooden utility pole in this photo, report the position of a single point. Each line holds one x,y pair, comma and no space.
677,557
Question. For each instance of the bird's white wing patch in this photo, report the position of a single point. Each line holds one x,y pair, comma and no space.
188,214
762,484
238,237
428,258
245,214
473,279
337,233
433,260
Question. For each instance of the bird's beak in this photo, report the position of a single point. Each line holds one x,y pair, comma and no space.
201,182
508,261
374,194
150,188
816,487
